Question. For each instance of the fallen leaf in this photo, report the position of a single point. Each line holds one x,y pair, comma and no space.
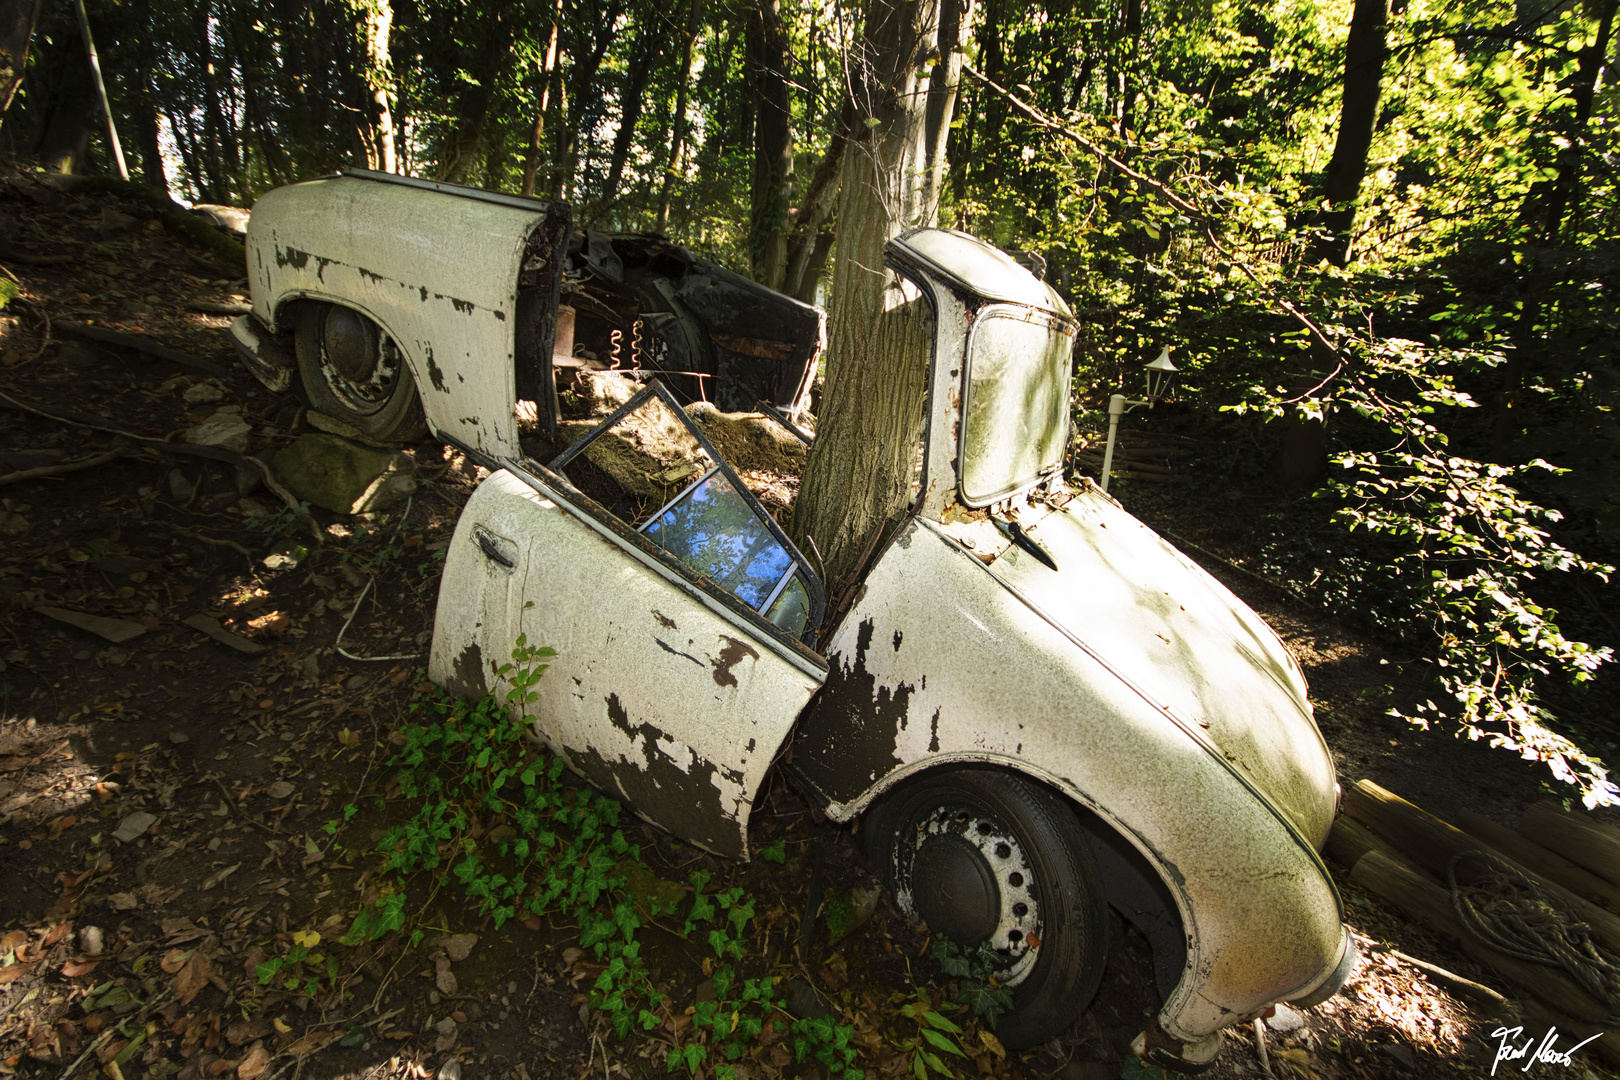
133,826
279,790
57,933
13,972
74,968
113,630
254,1064
61,824
12,940
307,938
312,1042
192,978
992,1044
215,879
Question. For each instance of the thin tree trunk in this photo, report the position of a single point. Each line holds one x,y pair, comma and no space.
642,55
857,482
1363,82
1567,188
66,131
677,145
583,105
548,74
377,22
772,172
17,20
815,209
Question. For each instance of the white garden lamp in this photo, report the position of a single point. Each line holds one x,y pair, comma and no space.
1160,374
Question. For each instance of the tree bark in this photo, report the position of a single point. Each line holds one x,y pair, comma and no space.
857,482
772,174
377,73
1358,114
72,110
17,19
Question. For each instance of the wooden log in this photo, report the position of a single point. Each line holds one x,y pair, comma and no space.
1549,865
1421,900
1577,838
1539,1018
1432,844
1349,840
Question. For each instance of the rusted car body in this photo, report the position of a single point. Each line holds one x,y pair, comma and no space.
400,304
1037,703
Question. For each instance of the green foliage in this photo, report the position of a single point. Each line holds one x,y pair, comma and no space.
935,1034
978,989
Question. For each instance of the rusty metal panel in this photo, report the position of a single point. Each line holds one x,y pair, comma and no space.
439,274
942,660
657,693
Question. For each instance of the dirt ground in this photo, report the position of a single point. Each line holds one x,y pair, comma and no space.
163,797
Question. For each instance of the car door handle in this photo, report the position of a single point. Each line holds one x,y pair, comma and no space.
492,551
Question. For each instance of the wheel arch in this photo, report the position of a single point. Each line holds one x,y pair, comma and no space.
288,308
1137,882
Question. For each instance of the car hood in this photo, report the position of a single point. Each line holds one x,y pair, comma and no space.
1189,646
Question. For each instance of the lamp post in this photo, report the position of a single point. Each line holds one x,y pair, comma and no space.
1160,374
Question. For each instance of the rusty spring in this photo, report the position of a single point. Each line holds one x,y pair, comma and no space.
617,340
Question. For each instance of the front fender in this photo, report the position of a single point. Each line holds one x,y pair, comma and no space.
939,661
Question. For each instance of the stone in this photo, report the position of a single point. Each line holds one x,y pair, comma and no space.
226,430
343,476
133,826
1285,1021
116,220
204,393
458,946
91,941
847,912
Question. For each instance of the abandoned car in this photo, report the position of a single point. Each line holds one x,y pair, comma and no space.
1037,706
400,304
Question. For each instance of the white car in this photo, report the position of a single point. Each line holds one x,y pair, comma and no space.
1038,707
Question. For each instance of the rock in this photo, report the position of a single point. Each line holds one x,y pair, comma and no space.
443,977
91,941
342,476
804,1000
13,523
116,220
450,1070
279,790
333,426
122,901
226,430
179,486
1285,1021
458,946
847,912
134,825
204,393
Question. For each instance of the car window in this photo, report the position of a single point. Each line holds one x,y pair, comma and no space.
1017,402
712,529
712,526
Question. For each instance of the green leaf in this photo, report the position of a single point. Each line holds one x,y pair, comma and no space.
943,1043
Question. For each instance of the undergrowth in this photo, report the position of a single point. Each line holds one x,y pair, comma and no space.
492,815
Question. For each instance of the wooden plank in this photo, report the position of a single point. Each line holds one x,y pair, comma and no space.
1548,864
1576,837
1432,844
1539,1019
1421,900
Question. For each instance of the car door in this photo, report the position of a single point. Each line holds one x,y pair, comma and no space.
680,664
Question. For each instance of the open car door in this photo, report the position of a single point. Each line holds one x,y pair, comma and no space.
680,661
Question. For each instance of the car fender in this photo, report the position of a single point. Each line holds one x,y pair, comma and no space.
440,274
938,662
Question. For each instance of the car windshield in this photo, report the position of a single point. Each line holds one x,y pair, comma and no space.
1017,417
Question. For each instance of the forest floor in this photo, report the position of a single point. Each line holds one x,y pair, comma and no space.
233,763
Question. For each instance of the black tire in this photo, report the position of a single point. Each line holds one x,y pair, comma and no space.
352,371
985,855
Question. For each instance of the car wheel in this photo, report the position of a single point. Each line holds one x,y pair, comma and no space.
994,861
353,371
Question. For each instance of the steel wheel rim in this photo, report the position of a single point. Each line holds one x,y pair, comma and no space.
1015,941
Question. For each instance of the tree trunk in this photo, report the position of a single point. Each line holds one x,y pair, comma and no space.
17,19
857,482
642,55
806,249
548,74
72,111
376,23
1358,114
473,103
677,144
772,174
584,106
1566,190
